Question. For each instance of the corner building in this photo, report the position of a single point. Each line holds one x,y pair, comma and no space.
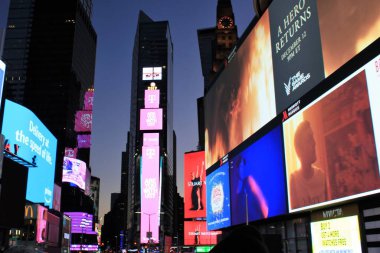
151,127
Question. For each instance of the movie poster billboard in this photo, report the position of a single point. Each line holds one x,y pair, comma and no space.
28,138
88,100
330,145
258,184
242,99
218,198
150,194
195,184
196,234
150,119
74,171
83,121
152,98
84,140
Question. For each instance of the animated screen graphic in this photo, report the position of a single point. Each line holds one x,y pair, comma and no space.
74,171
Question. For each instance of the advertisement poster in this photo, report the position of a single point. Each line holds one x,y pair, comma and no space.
196,233
83,121
218,196
74,171
41,224
258,189
152,98
151,119
330,145
28,138
152,73
151,139
296,49
195,185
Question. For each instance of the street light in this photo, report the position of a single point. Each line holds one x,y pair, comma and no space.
149,233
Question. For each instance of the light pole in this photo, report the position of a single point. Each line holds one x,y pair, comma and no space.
149,233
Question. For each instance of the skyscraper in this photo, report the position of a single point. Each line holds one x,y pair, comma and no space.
50,49
151,172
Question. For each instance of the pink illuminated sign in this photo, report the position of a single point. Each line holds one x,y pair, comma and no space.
71,152
152,98
151,119
74,171
88,100
151,139
41,224
84,140
83,121
150,194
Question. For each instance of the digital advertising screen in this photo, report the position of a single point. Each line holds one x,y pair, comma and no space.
336,230
84,140
150,119
330,145
81,223
87,190
29,139
150,194
151,139
2,76
74,171
152,98
71,152
242,99
89,100
41,224
218,198
196,233
258,184
195,184
152,73
83,121
57,198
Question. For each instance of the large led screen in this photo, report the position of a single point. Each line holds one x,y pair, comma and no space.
152,98
150,194
330,145
258,188
74,171
195,185
29,139
83,121
218,198
196,233
242,100
81,223
2,75
151,119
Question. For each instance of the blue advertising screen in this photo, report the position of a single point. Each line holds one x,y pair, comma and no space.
2,74
218,198
258,180
27,137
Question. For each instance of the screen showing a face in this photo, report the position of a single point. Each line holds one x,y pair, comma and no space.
74,171
196,233
27,137
195,187
330,146
258,180
218,198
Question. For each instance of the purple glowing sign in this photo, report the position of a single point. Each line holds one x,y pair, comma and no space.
74,171
81,223
84,247
152,98
151,139
84,140
150,194
151,119
83,121
88,100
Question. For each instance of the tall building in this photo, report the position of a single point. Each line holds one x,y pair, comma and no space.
50,49
151,135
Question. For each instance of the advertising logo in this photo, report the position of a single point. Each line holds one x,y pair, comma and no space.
296,81
217,197
152,98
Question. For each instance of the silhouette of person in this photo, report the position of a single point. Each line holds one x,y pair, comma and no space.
308,183
196,191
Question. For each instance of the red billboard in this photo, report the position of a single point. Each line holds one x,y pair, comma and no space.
196,233
83,121
195,185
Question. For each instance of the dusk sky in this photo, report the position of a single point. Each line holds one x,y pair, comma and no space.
115,22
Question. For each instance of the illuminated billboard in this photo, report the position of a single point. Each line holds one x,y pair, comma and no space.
28,138
151,139
150,119
152,73
330,145
336,230
196,233
258,188
81,223
88,100
2,76
57,198
218,198
71,152
150,194
152,98
83,121
41,224
84,140
195,185
74,171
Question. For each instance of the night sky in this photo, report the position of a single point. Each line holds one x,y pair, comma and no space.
115,22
